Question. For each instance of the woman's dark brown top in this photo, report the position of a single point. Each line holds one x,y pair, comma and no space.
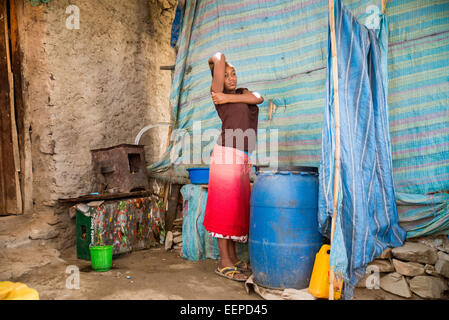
236,116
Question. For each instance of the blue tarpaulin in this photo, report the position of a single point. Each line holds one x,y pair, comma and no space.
197,243
367,218
176,27
279,49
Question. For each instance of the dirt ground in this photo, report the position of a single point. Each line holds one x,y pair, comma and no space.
154,274
140,275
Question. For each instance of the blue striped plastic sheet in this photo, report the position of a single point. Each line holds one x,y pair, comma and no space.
366,218
279,49
197,244
423,214
418,66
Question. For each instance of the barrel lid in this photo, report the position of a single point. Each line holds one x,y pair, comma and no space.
287,168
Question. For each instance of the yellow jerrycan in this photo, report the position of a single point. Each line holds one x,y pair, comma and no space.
17,291
319,281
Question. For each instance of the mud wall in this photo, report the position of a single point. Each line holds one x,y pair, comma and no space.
91,87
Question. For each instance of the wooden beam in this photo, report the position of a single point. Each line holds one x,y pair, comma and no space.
172,205
15,144
106,196
16,68
10,197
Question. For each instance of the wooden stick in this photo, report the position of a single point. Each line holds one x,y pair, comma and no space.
270,109
15,144
384,6
337,136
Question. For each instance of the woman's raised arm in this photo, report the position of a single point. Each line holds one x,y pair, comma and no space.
217,65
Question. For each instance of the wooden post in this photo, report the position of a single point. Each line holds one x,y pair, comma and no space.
10,192
172,205
271,109
337,136
17,102
384,5
15,143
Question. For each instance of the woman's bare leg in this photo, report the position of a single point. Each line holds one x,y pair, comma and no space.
232,253
223,247
226,246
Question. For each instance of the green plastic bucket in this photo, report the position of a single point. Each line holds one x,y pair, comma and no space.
101,257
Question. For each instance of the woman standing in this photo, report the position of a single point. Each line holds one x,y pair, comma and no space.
227,209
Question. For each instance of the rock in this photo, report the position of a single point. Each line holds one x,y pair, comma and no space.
177,233
396,284
177,239
383,265
72,213
386,254
430,269
416,252
410,269
442,264
178,221
168,240
428,287
53,221
445,247
43,232
165,4
439,242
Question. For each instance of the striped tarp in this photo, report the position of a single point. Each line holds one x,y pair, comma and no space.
419,94
366,215
279,48
197,243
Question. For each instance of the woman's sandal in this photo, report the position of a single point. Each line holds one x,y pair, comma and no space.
230,272
243,266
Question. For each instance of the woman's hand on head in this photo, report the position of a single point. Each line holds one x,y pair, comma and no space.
219,98
216,57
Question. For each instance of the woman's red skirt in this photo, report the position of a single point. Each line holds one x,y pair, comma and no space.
227,208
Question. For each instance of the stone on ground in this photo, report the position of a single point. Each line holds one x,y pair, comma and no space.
168,240
395,283
442,264
439,242
43,232
416,252
177,239
428,287
386,254
410,269
430,269
382,265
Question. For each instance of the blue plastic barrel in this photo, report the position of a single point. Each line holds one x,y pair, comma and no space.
283,235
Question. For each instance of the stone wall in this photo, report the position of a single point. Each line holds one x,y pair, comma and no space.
418,269
90,88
